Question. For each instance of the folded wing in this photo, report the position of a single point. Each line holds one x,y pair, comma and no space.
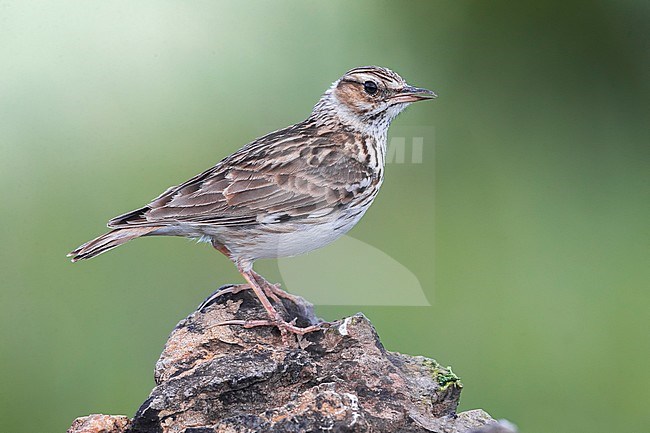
267,181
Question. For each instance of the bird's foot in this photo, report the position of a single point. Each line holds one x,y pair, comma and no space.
286,328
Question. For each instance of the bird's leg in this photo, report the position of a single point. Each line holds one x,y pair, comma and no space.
263,290
275,319
268,288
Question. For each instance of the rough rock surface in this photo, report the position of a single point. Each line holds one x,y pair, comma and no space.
100,424
214,378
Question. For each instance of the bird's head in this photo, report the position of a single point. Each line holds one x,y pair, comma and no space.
370,97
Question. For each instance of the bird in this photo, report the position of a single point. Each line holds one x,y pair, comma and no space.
286,193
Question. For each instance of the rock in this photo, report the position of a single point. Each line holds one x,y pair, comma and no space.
214,378
471,421
501,426
100,424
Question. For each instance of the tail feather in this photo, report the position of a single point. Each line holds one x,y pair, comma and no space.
108,241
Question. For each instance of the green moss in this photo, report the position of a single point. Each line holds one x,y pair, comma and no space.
447,378
444,376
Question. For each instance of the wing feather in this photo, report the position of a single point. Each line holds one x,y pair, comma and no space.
271,179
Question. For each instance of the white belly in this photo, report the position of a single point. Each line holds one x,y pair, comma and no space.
261,244
266,241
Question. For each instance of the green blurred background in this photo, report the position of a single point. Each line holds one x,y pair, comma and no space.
526,224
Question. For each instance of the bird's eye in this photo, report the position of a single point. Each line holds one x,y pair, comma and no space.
370,87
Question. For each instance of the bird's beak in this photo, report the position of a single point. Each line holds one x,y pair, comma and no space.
412,94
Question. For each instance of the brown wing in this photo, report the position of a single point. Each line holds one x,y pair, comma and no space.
284,175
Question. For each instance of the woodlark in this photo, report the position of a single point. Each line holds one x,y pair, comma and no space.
286,193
